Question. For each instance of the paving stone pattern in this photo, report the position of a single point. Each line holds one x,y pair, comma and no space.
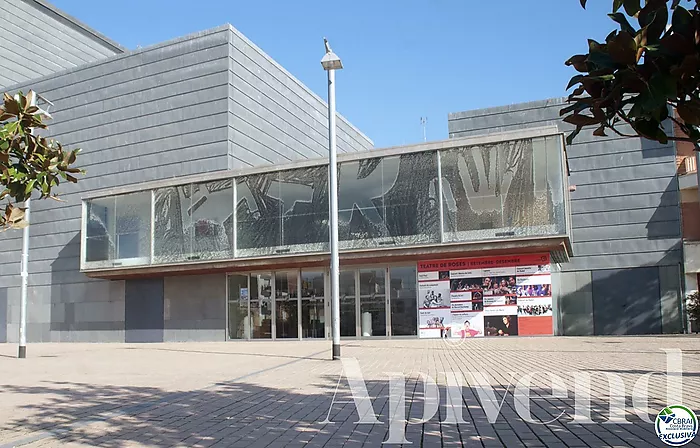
277,394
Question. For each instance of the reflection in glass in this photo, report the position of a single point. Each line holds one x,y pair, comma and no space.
194,222
372,302
389,201
211,230
99,244
312,305
238,323
286,305
283,212
259,225
261,306
500,190
348,320
119,229
304,202
403,301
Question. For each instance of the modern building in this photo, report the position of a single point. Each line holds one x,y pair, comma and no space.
204,212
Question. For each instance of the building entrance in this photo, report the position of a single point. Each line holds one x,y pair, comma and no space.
377,301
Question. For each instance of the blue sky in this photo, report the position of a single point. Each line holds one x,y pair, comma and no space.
403,59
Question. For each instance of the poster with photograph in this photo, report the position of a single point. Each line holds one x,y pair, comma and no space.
434,294
501,325
499,295
534,306
432,321
467,325
499,286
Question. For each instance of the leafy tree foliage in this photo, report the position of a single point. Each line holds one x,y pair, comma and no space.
29,163
646,72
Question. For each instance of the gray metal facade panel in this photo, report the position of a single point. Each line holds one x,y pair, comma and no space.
273,117
621,185
44,43
131,129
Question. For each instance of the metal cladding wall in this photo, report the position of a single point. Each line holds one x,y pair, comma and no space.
274,118
625,219
150,114
38,40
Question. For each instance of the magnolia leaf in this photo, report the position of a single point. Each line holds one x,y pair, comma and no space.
581,120
622,20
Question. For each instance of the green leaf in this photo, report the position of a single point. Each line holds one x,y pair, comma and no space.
583,3
682,21
624,24
617,4
623,49
650,129
600,132
632,7
30,186
574,80
581,120
663,85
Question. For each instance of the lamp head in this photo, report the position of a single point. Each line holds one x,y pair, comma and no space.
330,60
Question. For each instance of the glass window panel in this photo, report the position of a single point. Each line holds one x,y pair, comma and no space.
118,231
404,301
389,201
172,221
304,209
360,204
556,190
348,320
259,223
496,191
261,306
133,228
313,319
372,302
286,304
411,204
99,239
238,322
211,227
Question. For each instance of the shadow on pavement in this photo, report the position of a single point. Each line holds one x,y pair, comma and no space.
242,415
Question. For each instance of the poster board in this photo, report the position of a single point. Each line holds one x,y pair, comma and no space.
485,296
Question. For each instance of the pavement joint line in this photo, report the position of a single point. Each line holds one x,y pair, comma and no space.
129,411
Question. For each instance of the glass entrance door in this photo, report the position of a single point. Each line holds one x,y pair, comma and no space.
348,304
403,301
373,302
313,299
286,305
261,306
238,320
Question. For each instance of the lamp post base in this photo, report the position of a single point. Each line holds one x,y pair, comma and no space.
336,351
22,351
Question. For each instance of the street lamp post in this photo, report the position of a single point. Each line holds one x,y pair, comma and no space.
331,62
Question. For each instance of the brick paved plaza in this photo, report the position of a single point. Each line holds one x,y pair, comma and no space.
277,394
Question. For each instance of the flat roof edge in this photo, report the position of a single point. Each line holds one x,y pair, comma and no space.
126,54
79,26
543,131
241,36
495,110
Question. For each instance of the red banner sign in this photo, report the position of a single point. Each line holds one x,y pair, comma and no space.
483,262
